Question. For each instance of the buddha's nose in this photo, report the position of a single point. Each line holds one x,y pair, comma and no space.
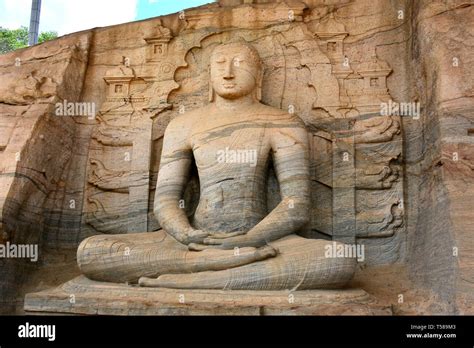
229,71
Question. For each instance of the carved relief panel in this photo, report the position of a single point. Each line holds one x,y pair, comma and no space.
356,153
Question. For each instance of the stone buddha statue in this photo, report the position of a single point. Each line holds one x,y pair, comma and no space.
232,241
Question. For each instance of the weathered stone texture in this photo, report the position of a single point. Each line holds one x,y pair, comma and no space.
95,298
440,152
400,186
37,147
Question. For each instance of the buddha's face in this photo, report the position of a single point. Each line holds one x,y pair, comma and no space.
234,71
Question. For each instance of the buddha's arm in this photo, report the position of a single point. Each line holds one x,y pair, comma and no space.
176,159
291,161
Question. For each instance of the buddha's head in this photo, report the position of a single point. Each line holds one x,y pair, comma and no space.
235,71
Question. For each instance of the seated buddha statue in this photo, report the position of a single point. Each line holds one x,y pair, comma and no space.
232,241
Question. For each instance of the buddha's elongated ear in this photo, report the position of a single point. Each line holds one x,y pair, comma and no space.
211,90
259,85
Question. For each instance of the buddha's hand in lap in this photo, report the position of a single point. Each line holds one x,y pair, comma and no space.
229,241
194,236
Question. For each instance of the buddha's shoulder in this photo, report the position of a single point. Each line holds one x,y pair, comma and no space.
276,115
187,119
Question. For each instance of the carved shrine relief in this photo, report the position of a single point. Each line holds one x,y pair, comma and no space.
157,48
307,71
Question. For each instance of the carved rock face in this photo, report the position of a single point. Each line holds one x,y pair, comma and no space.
398,185
234,71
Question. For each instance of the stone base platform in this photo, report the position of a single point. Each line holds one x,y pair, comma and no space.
82,296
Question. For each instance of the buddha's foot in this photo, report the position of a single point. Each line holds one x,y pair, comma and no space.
207,280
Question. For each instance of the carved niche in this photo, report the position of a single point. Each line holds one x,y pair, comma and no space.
356,153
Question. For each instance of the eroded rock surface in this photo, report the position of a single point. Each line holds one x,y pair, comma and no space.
397,183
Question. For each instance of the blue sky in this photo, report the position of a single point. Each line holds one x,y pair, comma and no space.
153,8
68,16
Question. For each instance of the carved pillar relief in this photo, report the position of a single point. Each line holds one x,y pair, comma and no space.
120,156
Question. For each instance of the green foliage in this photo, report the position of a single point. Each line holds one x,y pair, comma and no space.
46,36
13,39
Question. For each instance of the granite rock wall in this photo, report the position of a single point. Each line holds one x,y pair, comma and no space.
401,185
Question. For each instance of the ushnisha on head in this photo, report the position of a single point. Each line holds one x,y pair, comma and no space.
235,71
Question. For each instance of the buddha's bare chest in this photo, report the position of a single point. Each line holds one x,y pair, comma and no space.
235,146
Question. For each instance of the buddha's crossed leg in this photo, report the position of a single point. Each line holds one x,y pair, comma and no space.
127,257
300,264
